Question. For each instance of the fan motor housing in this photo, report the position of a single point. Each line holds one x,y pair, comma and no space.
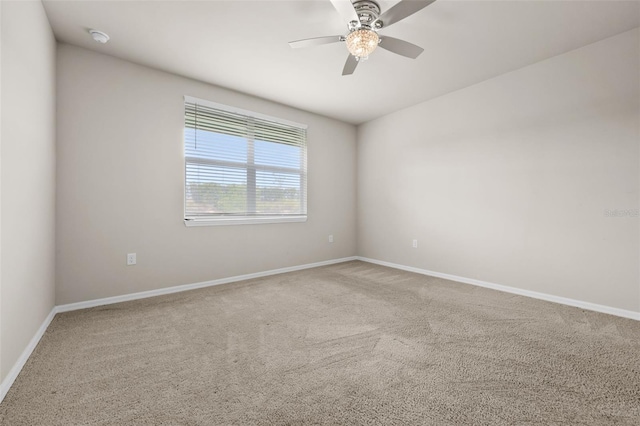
368,12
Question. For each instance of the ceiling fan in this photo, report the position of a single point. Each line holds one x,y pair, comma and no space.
364,21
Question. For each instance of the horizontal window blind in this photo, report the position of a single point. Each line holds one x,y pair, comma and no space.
242,164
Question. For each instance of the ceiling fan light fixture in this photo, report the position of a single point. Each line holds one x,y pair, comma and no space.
364,21
362,42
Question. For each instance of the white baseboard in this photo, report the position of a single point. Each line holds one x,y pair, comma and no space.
185,287
534,294
22,360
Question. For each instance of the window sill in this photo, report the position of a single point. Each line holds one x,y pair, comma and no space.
242,221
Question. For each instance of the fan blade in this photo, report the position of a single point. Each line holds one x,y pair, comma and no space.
402,10
401,47
350,65
317,41
345,9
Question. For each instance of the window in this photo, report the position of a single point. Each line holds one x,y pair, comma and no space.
242,167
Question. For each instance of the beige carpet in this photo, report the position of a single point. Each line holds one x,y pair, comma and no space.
347,344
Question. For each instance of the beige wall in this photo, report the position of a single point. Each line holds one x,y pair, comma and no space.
120,185
27,176
507,181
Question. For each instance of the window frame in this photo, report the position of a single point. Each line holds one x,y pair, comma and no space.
236,219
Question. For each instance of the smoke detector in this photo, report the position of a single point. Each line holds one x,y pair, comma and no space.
99,36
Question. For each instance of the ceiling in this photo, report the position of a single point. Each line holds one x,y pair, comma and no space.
242,45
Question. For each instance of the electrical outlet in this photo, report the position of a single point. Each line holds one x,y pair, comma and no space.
415,243
330,238
131,259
